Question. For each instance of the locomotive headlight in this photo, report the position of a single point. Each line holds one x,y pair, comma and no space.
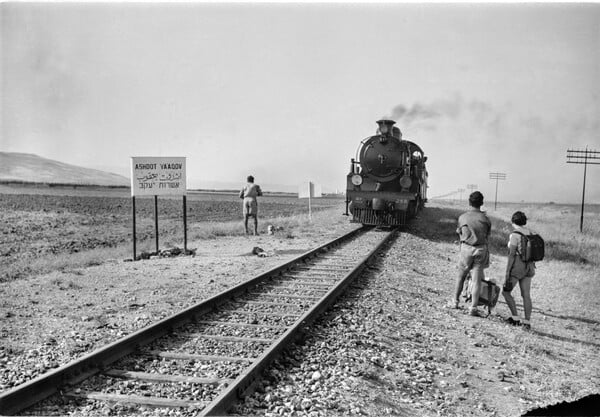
405,181
357,179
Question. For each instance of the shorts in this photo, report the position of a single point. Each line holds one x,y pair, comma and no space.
512,283
528,272
473,257
250,207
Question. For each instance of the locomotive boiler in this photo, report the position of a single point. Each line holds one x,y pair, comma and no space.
387,183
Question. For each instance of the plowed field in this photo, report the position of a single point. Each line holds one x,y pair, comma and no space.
63,221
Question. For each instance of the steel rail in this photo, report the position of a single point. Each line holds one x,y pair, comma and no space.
31,392
244,383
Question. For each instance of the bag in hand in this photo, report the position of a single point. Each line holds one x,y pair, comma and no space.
488,292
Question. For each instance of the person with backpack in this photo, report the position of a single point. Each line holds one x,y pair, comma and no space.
474,228
250,206
523,250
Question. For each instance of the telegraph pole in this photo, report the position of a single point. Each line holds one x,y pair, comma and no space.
583,157
461,190
497,176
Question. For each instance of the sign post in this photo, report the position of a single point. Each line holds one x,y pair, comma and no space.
185,224
156,220
133,213
154,176
309,190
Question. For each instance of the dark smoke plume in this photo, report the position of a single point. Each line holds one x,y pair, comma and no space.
420,112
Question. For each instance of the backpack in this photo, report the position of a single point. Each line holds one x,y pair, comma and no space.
532,247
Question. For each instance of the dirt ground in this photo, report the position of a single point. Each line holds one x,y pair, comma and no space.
387,347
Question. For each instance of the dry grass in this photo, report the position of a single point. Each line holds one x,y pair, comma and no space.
557,224
169,238
22,268
44,230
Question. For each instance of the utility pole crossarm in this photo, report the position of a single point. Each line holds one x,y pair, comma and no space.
585,162
584,157
497,176
587,156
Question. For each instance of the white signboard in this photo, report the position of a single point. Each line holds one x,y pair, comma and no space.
309,190
158,175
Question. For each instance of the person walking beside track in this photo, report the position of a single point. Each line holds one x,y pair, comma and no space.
474,228
519,271
250,204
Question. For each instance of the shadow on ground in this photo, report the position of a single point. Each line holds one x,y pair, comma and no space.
557,316
439,225
564,339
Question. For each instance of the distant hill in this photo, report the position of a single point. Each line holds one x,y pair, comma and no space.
26,167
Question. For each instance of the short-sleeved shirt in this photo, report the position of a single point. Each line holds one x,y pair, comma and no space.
474,227
251,190
249,194
514,239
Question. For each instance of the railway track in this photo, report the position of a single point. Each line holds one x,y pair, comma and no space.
205,358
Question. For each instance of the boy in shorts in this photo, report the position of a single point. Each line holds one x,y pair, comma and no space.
473,230
518,271
250,205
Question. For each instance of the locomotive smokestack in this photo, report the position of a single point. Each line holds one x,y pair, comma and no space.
385,126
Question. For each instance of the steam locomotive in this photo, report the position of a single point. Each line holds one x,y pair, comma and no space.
387,183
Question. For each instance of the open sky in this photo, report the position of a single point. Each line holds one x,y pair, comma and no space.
286,92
